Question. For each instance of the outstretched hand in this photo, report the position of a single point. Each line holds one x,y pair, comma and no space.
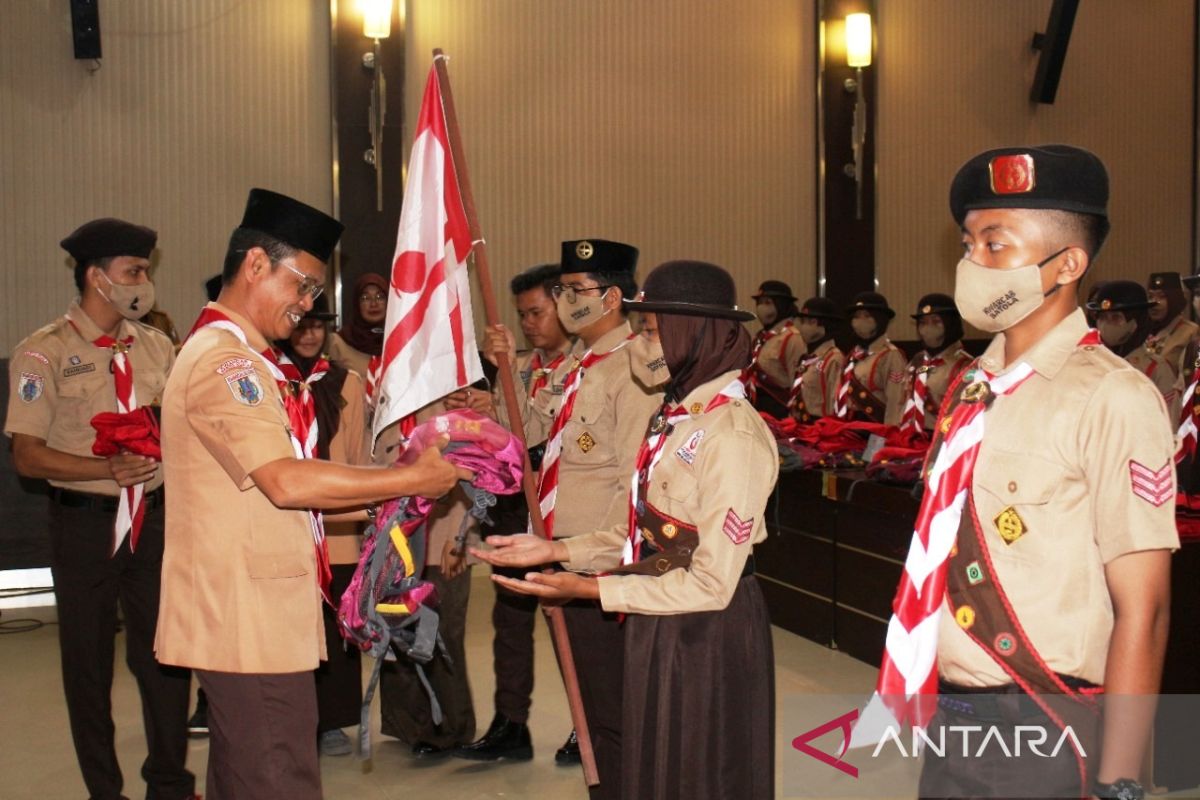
521,550
552,585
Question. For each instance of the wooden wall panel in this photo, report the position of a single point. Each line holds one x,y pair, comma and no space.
195,103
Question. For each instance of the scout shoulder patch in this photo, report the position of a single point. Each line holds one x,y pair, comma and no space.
34,354
243,383
737,529
29,386
896,377
1154,486
687,453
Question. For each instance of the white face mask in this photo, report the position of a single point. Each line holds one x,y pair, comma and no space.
994,300
582,313
131,302
1116,334
810,330
864,328
647,362
933,334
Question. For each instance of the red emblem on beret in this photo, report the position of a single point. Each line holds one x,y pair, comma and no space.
1012,174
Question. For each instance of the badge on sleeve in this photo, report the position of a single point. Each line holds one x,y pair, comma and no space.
243,383
687,453
737,529
1155,487
42,358
30,386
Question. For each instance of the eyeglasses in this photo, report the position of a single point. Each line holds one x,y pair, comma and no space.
372,298
572,292
308,284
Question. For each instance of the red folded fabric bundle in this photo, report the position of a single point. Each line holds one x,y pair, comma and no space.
135,432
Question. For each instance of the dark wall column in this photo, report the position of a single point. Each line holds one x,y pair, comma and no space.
370,238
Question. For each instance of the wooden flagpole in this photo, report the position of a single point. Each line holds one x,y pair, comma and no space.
554,615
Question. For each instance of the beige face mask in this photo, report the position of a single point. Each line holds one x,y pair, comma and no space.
583,312
647,362
994,300
1115,334
810,330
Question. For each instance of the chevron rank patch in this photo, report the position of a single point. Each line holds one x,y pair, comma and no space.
737,529
1154,486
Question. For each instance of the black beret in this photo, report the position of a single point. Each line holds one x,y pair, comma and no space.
1164,281
292,222
598,255
1053,176
212,287
694,288
108,237
821,308
935,304
1119,296
870,301
775,289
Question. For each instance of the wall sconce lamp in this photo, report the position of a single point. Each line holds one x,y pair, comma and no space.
858,55
377,24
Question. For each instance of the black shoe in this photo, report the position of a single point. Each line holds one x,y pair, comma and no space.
197,726
569,753
504,739
427,750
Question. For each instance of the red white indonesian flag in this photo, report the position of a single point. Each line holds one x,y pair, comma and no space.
429,345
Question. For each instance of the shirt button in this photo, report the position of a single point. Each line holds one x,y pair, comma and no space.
664,484
1012,486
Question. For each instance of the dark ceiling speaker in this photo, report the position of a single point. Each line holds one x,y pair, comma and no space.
1053,45
85,28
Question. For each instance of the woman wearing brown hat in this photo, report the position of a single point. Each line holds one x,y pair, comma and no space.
704,472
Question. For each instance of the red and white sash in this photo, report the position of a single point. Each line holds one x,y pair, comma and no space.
841,407
651,452
1189,416
918,401
539,375
301,413
548,482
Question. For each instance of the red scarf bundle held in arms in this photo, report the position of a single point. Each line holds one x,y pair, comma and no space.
548,483
301,414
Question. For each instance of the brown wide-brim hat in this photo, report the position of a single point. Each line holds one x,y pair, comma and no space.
694,288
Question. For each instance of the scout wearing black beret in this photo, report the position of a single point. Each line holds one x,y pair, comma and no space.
107,238
695,288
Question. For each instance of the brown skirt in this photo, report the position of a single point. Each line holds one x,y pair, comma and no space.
699,705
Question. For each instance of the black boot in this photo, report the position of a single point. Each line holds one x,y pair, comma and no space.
504,739
569,752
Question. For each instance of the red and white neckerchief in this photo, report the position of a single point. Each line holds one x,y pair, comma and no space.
539,375
841,408
548,482
371,379
819,360
908,671
1189,417
918,401
651,452
750,374
302,419
131,504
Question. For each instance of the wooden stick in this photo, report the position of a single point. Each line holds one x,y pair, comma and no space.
554,614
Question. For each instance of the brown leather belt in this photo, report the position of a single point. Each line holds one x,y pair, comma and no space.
100,502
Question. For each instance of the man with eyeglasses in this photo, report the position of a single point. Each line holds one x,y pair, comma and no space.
245,564
594,438
99,358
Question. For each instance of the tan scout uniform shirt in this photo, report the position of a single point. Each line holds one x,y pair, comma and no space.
348,446
239,587
938,380
1166,380
348,356
781,354
733,468
1057,460
818,387
1172,340
883,371
59,380
548,398
600,441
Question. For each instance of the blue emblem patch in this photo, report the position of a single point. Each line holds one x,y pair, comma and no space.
30,386
245,386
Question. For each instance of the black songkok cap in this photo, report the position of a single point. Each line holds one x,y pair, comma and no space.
1050,177
109,237
598,255
292,222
